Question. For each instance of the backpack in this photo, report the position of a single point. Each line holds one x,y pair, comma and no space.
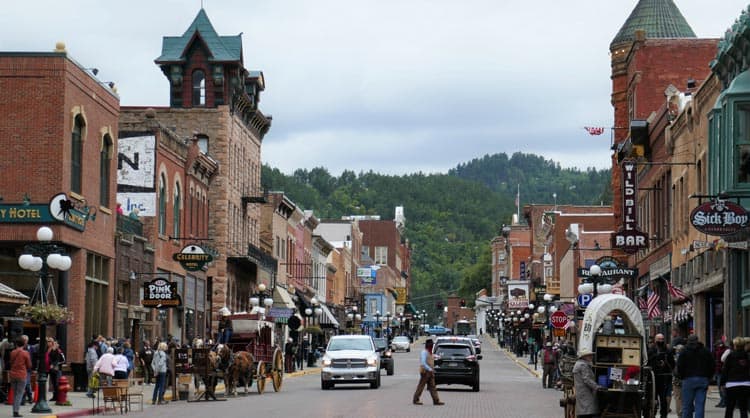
549,357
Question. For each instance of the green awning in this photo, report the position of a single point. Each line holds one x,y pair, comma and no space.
409,308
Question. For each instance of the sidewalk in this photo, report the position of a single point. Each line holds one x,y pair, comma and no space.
711,410
84,406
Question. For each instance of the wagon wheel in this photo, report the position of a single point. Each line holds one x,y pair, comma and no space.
260,374
277,373
650,394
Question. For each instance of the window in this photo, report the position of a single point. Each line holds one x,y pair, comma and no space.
365,254
176,211
203,143
97,291
76,155
381,255
199,88
162,205
104,170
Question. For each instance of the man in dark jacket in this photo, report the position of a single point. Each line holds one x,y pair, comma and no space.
661,360
694,366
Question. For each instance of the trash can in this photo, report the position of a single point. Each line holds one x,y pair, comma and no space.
80,377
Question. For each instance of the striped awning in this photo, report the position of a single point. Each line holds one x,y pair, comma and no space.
10,295
327,320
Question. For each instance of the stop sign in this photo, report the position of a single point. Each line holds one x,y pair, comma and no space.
558,319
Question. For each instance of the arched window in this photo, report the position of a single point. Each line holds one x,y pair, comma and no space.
162,205
105,157
176,211
199,88
76,155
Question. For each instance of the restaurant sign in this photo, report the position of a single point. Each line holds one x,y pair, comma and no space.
192,258
719,217
160,293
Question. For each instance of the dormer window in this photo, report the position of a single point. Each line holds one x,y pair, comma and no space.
199,88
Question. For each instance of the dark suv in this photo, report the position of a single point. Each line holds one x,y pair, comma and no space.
456,361
386,355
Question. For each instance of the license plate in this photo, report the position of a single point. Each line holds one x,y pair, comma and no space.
452,364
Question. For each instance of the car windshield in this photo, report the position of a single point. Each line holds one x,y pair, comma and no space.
380,343
350,344
453,351
400,339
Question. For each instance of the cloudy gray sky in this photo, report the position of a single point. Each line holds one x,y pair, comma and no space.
396,86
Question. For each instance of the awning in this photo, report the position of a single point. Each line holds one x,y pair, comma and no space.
327,320
10,295
282,298
410,308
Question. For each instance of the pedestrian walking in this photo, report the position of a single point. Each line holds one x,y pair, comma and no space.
54,359
105,367
549,365
144,357
695,366
426,376
661,360
159,365
120,364
735,375
91,359
677,382
20,365
585,385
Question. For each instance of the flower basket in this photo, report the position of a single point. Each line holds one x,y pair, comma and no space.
315,330
45,313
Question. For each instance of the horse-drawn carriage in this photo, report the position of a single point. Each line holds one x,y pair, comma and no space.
620,360
250,355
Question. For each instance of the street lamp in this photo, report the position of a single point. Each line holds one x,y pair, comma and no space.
377,322
387,324
39,257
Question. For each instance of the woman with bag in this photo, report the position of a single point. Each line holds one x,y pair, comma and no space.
736,378
91,359
159,366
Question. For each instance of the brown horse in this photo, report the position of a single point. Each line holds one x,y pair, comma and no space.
240,372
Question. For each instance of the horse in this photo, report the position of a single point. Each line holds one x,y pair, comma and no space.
240,372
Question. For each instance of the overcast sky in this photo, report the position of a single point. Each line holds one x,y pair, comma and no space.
396,86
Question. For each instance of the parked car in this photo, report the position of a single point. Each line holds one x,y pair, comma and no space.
456,361
401,342
477,343
386,355
350,359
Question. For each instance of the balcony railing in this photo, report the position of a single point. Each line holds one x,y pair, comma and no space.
128,225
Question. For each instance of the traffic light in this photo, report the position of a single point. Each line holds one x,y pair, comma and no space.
439,304
463,303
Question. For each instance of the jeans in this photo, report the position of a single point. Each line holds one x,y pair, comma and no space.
18,385
160,387
225,336
722,392
737,397
694,390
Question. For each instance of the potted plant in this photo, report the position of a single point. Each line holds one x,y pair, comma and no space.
45,313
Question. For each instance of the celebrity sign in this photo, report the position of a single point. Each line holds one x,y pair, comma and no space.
629,238
719,217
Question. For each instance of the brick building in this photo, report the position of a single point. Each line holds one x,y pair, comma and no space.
60,129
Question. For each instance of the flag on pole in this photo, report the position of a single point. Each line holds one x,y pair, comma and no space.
642,303
653,305
676,293
594,130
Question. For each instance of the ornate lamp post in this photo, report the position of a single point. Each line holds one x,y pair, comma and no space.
596,283
40,257
387,324
377,322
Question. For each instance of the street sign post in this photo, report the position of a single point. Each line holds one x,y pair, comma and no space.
558,320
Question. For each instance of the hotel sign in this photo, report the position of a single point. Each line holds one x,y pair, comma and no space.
25,213
192,258
629,238
719,217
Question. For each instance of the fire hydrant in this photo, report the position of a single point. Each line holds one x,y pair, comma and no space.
63,387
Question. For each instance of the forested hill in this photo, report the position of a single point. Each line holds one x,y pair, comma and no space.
450,218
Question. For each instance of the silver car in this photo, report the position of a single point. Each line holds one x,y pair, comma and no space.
401,343
350,359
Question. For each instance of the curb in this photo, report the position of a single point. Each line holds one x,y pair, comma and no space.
167,397
523,365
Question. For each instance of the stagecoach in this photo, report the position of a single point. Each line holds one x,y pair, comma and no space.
254,334
620,359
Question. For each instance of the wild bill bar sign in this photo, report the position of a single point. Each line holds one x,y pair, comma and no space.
629,238
719,217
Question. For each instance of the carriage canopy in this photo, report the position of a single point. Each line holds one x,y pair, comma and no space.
598,310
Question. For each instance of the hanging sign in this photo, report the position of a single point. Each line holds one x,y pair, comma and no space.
719,217
629,238
192,258
160,293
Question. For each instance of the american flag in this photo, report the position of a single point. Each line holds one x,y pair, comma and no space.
676,293
653,305
594,130
642,303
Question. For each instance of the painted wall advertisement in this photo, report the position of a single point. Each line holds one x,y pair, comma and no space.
136,173
518,294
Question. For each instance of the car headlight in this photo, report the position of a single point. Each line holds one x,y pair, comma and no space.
388,353
372,361
326,361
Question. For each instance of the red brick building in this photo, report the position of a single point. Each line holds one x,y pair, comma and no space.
60,133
